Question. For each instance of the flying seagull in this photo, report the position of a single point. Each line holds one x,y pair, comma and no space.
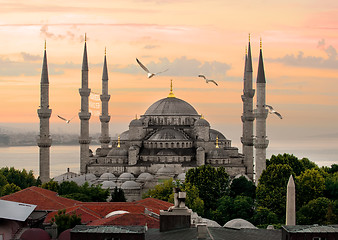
146,69
273,111
208,80
66,120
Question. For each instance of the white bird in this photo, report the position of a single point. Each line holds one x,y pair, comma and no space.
273,111
208,80
66,120
146,69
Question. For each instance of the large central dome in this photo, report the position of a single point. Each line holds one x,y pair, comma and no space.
171,106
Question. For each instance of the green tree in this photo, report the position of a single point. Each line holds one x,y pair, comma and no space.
20,178
10,188
311,185
287,159
212,184
66,221
242,186
68,188
271,189
78,196
161,191
96,193
118,195
230,208
51,185
307,164
331,186
263,217
314,212
193,201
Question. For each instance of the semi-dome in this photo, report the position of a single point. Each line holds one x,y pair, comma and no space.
167,134
171,106
135,123
107,177
126,176
108,185
239,223
214,133
118,152
130,185
165,170
202,122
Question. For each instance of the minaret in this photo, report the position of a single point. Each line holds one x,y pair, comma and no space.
291,203
261,113
44,141
104,117
84,115
248,116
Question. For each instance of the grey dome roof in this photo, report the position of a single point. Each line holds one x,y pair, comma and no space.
143,177
202,122
107,177
135,123
214,133
168,134
124,135
171,106
239,223
132,185
108,185
126,176
117,152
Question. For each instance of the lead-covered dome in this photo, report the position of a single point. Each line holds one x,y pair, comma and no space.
171,106
168,134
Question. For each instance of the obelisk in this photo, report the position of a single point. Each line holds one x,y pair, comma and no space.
291,203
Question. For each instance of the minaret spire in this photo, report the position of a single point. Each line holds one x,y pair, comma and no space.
248,116
104,117
44,141
261,113
84,115
171,94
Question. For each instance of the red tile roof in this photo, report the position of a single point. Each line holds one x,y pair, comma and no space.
154,205
43,198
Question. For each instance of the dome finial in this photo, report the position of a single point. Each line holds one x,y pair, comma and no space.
118,141
171,94
202,117
136,116
217,142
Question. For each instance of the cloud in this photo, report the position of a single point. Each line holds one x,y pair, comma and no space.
151,46
30,58
178,67
45,33
300,60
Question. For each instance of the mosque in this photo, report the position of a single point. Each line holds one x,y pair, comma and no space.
166,141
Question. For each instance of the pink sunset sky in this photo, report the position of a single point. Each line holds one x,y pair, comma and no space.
189,37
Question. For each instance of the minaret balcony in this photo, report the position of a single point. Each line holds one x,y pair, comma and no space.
104,139
104,118
247,141
84,92
104,98
44,142
248,117
44,112
84,115
261,143
249,93
84,140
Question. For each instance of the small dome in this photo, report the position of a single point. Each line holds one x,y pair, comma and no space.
126,176
136,123
124,136
202,122
239,223
143,177
171,106
118,212
130,185
108,185
65,235
214,133
168,134
117,152
102,152
166,171
181,177
107,177
35,233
